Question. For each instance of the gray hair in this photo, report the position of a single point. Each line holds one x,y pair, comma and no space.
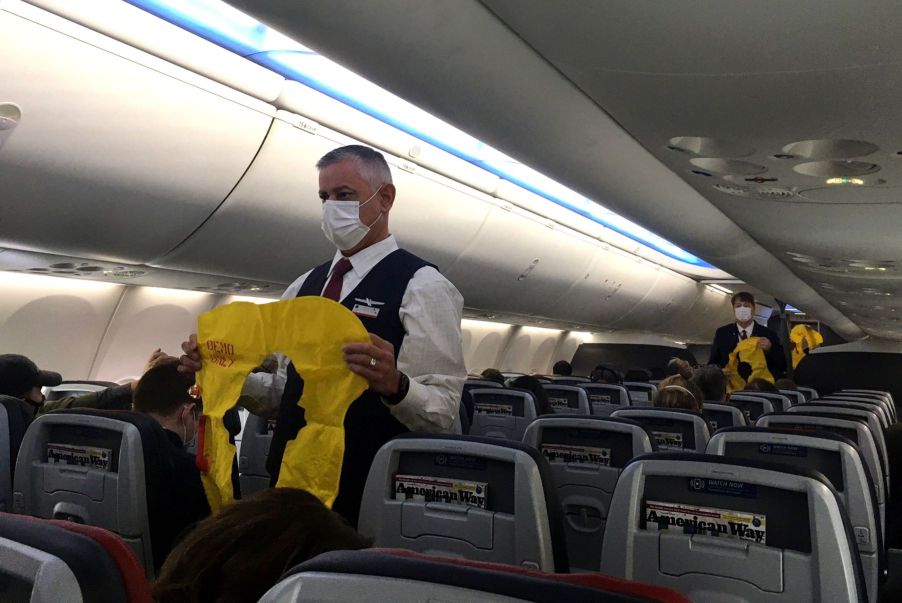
371,164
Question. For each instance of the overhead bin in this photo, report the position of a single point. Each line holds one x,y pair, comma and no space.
117,154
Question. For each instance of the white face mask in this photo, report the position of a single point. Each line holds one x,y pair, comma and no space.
341,222
743,314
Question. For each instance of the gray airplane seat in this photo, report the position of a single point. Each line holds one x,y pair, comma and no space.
720,415
852,428
569,380
672,429
780,402
605,398
255,442
407,577
721,529
641,393
884,398
861,404
868,416
102,468
502,413
45,563
586,456
466,400
863,401
809,392
751,406
465,496
14,420
838,459
795,397
567,399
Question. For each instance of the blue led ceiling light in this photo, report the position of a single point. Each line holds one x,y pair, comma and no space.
228,27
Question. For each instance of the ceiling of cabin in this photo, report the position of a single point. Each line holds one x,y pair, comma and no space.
721,94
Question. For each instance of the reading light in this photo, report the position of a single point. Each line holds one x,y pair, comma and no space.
855,181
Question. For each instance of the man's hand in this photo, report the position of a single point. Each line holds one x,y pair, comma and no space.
156,357
382,376
765,344
190,361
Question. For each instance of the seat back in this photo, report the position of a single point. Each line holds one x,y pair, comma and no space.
869,416
719,415
851,428
605,398
836,458
472,497
106,469
567,399
886,411
586,455
640,392
752,406
795,397
481,384
722,529
408,577
45,563
885,398
255,441
861,404
671,428
501,413
780,401
809,392
568,379
14,420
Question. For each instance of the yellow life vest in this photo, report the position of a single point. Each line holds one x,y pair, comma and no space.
234,339
747,351
804,339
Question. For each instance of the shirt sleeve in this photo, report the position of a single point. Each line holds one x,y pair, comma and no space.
262,392
118,397
431,354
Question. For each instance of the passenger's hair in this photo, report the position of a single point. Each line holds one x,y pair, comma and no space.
711,381
742,296
761,385
493,375
162,389
637,374
680,367
371,164
677,391
239,554
528,382
786,384
605,374
563,368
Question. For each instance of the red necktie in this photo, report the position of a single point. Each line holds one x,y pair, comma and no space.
333,289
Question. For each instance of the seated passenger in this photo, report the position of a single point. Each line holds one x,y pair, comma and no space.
678,391
712,382
162,394
562,368
527,382
761,385
787,384
493,375
638,375
605,374
239,554
21,378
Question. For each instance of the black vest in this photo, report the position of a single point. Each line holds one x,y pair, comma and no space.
368,423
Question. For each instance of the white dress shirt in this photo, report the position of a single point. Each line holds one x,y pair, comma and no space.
748,331
431,354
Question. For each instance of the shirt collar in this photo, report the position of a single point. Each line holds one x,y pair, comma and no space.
748,329
364,260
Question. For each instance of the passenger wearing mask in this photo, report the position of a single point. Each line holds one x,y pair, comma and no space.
678,391
162,394
21,378
414,362
562,368
727,336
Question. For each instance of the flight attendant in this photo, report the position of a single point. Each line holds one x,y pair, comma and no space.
414,363
727,336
